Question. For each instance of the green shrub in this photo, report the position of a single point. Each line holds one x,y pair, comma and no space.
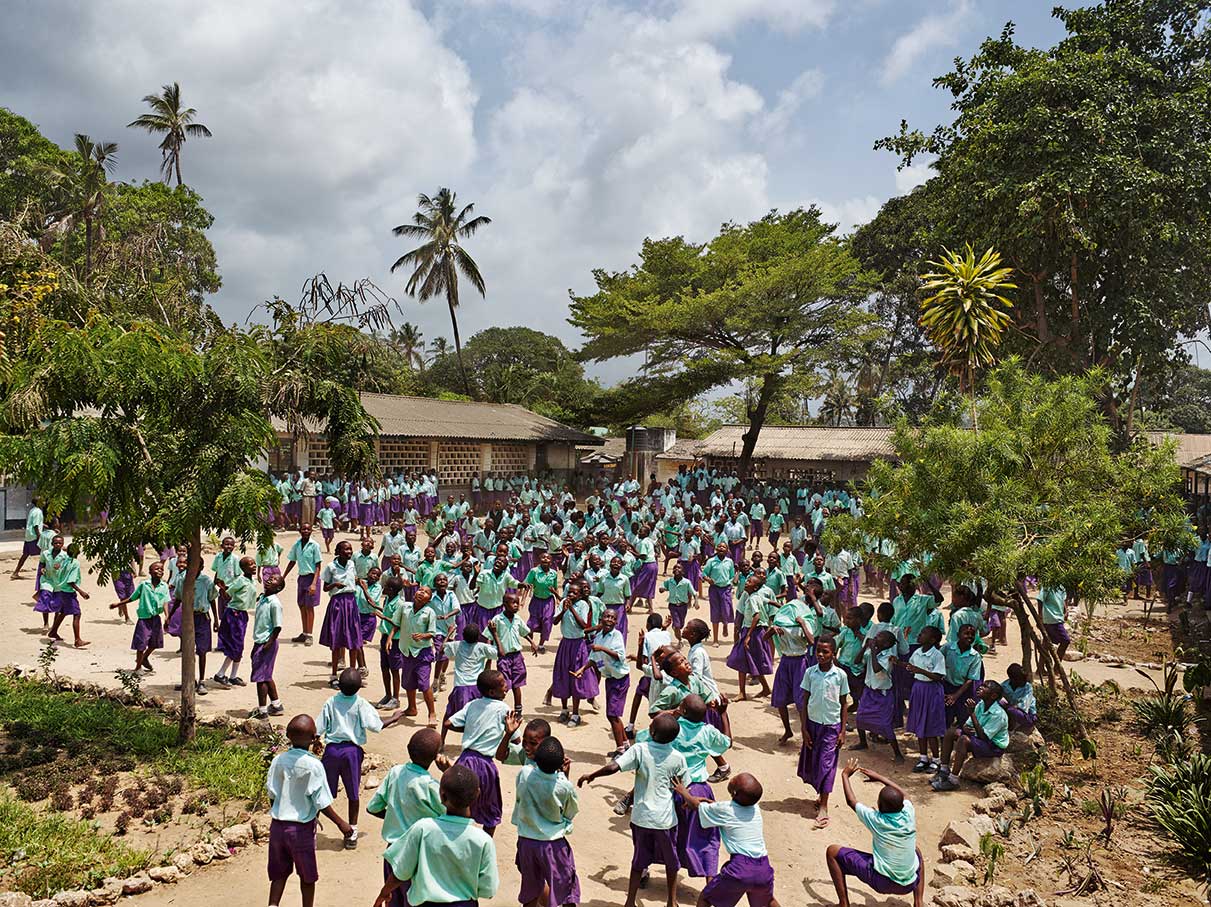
1180,798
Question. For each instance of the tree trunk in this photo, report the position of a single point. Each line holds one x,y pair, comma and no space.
1048,660
756,419
88,247
1135,393
187,728
458,350
177,163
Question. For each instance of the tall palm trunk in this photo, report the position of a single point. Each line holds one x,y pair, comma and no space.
88,246
458,348
176,157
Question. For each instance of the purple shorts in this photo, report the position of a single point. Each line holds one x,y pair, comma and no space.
65,603
417,670
399,897
149,634
487,809
1058,633
292,848
263,658
390,655
513,666
203,632
544,864
740,876
343,763
616,696
980,747
1021,720
861,865
307,592
654,845
31,549
678,613
722,610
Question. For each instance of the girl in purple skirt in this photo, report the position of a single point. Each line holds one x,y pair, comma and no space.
150,598
643,583
877,710
482,724
342,627
608,658
927,701
750,655
792,636
572,655
720,573
471,658
697,845
826,688
541,583
682,593
241,598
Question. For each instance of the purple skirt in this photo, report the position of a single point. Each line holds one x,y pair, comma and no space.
369,627
65,603
927,710
172,626
788,681
1143,575
547,864
697,847
263,659
124,583
1057,633
643,583
654,845
542,616
739,877
1172,579
44,604
459,697
417,670
750,653
1198,577
736,550
877,712
721,605
487,808
571,656
818,763
693,572
149,634
342,627
513,666
679,613
1020,719
306,592
232,629
616,696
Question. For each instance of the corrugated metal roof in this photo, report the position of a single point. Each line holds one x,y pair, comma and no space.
425,417
802,442
683,449
1191,449
611,451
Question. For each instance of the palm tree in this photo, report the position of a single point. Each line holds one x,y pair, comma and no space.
838,400
80,190
176,123
439,347
436,263
966,314
409,343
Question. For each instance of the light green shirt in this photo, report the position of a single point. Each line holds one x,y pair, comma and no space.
720,571
225,567
1051,599
568,626
407,794
346,719
446,860
482,722
740,827
824,692
962,666
469,660
33,524
613,590
895,841
268,618
492,588
243,594
413,621
510,631
62,572
912,613
544,805
655,766
544,582
994,721
307,557
297,786
150,600
679,591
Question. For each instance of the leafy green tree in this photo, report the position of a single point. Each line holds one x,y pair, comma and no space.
174,122
1039,491
439,348
80,188
410,344
770,302
164,430
838,402
1179,401
28,165
1088,166
439,226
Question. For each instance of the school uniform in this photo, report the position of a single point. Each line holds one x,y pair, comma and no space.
307,558
482,722
204,593
268,617
791,645
877,710
961,668
542,601
697,845
233,624
892,866
150,602
825,723
720,573
1052,602
750,652
572,655
543,809
613,670
995,722
366,618
469,659
417,668
653,816
390,653
446,861
63,574
748,872
343,723
490,595
510,661
298,791
927,702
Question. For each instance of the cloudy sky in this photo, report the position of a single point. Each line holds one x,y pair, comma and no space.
578,126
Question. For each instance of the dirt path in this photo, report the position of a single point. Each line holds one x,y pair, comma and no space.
601,840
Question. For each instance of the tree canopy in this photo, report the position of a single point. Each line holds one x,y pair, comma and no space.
1088,166
770,302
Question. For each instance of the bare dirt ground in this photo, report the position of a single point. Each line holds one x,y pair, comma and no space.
601,840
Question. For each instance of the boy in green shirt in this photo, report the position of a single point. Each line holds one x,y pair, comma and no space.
986,735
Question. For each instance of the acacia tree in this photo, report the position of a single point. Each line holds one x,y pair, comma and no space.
1087,165
164,430
771,302
1037,492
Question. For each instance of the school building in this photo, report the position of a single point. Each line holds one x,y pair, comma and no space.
1193,455
818,454
457,439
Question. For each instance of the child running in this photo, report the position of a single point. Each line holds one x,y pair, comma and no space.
507,630
150,597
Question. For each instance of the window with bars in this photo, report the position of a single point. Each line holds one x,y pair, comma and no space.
317,454
457,462
403,455
510,459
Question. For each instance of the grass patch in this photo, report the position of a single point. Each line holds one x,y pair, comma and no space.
45,854
105,735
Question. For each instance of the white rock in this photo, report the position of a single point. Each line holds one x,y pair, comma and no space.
202,853
966,871
77,898
15,899
961,831
952,853
260,827
955,896
983,826
370,782
137,884
988,805
166,875
997,789
183,862
986,771
944,874
237,835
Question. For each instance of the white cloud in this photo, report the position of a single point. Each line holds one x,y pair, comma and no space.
850,212
780,118
929,34
908,178
714,17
